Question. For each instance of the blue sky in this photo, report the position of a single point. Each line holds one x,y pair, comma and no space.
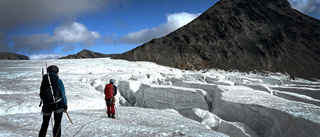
53,28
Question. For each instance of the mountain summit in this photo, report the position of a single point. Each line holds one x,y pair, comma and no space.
12,56
245,35
87,54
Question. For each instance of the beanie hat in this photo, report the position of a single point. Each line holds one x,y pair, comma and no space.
112,81
53,69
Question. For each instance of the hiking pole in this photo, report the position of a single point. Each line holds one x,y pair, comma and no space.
68,116
54,100
115,109
51,92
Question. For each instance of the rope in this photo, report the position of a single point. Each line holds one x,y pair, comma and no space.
85,125
58,130
96,114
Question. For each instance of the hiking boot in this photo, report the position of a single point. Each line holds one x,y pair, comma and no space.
109,115
113,116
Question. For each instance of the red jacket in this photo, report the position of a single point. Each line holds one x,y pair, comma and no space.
110,90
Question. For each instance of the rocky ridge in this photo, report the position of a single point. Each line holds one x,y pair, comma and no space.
12,56
87,54
244,35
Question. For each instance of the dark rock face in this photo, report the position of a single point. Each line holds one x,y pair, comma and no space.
87,54
245,35
12,56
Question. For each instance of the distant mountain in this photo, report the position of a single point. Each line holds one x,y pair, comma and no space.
245,35
87,54
12,56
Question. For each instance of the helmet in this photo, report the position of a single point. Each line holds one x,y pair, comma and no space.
53,69
112,81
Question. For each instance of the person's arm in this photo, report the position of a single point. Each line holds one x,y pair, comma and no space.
115,90
63,92
104,90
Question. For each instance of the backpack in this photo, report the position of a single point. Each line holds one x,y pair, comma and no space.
108,91
45,90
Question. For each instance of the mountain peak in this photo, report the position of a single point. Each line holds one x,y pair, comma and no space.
12,56
245,35
87,54
85,51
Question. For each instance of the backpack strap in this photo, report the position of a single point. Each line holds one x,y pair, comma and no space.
56,101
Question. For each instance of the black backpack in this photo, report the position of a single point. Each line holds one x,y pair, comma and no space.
45,90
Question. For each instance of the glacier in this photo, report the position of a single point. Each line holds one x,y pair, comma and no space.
156,100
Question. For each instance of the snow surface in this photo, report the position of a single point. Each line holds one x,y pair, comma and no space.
155,100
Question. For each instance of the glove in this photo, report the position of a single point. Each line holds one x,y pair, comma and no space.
65,107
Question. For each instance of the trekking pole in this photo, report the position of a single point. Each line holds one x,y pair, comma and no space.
51,92
115,110
54,100
68,116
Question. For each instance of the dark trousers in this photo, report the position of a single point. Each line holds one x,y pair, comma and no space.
56,127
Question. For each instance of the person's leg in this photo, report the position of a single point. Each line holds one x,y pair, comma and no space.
45,123
109,111
113,112
108,107
57,124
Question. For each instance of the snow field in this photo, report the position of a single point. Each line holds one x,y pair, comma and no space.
130,121
233,103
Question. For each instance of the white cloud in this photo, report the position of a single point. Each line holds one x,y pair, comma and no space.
306,6
68,34
45,56
174,21
75,33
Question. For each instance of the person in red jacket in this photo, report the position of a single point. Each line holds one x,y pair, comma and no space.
110,91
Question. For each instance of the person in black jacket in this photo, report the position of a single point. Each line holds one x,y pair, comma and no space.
56,103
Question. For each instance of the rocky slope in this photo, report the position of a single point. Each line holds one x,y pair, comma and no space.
12,56
245,35
87,54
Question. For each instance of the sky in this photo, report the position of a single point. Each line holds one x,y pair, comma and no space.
51,29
